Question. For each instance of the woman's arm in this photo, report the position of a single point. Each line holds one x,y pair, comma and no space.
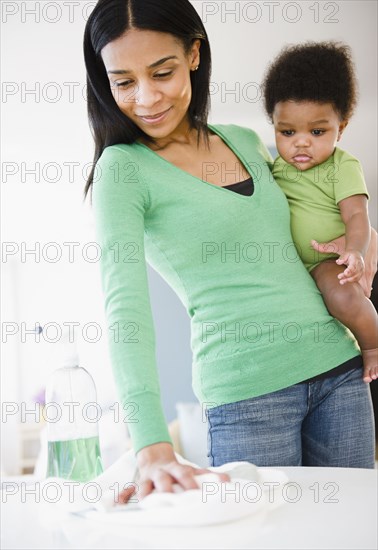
371,259
120,200
371,262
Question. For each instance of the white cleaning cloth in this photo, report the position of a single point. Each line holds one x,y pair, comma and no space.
213,502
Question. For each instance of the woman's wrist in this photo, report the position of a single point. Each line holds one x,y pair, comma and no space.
162,451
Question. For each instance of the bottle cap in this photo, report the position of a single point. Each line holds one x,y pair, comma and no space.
71,357
70,353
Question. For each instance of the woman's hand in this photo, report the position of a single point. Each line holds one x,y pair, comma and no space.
159,469
371,262
337,246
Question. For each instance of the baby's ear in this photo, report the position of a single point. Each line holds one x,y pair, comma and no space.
343,124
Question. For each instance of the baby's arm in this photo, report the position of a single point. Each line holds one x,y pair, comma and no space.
354,213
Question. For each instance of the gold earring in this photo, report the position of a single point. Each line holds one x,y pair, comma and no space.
195,68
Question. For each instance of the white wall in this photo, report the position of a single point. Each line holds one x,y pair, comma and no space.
38,131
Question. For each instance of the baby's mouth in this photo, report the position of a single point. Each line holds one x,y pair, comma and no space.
302,158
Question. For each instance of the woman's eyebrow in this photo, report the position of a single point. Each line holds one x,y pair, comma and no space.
152,66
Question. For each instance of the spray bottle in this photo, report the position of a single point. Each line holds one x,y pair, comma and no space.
72,415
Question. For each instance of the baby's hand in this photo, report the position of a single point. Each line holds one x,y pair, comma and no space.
356,266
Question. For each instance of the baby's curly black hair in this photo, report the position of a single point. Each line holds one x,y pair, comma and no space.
314,71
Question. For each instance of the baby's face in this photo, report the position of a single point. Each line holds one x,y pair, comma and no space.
306,132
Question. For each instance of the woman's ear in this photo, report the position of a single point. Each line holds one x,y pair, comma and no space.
343,124
195,55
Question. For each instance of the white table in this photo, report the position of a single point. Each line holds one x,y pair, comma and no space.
325,508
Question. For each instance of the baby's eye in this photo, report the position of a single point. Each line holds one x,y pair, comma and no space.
287,132
318,132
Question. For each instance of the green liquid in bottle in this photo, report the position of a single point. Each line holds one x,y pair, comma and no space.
78,459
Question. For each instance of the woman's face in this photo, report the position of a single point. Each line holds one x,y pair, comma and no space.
149,76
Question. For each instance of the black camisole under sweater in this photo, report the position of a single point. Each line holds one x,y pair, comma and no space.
245,187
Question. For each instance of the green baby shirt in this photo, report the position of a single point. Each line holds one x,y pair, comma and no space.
313,197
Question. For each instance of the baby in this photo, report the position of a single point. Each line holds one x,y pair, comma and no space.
310,95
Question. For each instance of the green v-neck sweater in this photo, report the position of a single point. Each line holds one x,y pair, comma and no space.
258,321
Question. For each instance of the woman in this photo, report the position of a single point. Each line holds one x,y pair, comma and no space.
199,202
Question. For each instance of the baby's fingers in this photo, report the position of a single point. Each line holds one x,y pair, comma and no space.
348,272
354,271
343,259
352,279
350,275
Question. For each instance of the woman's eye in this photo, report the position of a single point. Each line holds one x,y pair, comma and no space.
161,75
287,132
123,84
318,132
127,82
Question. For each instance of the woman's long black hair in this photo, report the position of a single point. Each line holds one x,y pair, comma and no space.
109,20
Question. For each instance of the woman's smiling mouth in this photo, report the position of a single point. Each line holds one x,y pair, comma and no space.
151,119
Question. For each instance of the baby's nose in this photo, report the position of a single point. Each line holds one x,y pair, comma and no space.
302,141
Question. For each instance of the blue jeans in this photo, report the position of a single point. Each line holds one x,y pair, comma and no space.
327,422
